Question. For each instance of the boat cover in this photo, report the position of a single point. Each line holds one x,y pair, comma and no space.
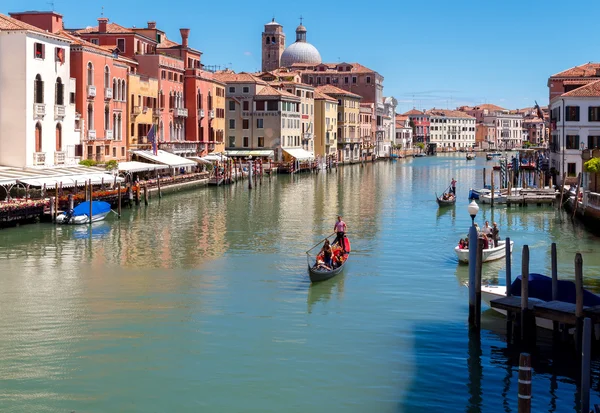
98,207
540,287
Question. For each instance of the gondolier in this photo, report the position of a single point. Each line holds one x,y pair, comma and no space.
340,229
453,185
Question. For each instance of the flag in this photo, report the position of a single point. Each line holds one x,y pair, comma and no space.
60,55
152,139
539,111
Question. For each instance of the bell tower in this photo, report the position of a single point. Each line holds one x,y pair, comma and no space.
273,45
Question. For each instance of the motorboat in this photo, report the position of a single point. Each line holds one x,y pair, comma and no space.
489,254
81,213
476,193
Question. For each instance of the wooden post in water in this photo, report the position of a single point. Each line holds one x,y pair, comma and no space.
579,300
525,325
472,271
509,326
524,405
56,199
478,271
158,184
137,194
91,199
119,200
554,264
146,195
586,358
71,202
577,194
562,191
492,183
484,177
52,210
86,190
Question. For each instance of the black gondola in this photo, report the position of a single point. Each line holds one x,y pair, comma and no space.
317,275
445,202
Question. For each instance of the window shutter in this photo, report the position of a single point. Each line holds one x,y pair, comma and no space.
576,140
577,112
42,91
589,114
43,51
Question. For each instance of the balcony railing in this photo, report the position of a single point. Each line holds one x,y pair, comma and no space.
200,113
180,112
91,91
91,134
108,93
59,112
109,134
39,110
136,110
59,158
39,158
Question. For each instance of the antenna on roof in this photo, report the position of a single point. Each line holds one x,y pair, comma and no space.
51,3
102,12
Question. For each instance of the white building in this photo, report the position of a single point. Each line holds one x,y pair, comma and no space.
509,129
451,128
37,101
384,146
404,133
575,126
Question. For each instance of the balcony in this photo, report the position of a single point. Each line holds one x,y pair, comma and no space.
109,134
59,158
108,93
39,110
180,112
91,134
211,114
200,113
39,158
91,91
59,112
136,110
307,136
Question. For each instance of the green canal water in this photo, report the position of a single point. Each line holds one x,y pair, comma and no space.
201,302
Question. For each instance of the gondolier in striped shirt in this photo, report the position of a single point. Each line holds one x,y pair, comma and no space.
340,230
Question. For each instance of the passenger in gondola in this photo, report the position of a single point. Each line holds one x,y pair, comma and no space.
327,254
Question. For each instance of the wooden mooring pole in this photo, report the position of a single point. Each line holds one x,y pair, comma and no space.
579,301
158,184
554,263
562,191
484,177
492,183
119,200
91,199
576,195
478,271
525,316
509,323
71,202
145,195
524,405
52,210
586,359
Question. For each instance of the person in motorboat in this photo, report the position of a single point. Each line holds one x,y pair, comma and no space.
340,230
461,244
490,240
486,244
486,228
495,233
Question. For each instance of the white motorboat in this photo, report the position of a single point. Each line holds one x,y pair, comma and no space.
489,254
499,198
80,214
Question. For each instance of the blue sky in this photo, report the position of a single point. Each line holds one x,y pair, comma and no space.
435,53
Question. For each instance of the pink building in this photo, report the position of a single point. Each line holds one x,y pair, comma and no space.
421,123
366,128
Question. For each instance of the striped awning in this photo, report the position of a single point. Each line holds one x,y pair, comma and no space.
10,175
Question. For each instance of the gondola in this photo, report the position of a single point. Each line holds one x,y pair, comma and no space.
445,202
470,156
317,275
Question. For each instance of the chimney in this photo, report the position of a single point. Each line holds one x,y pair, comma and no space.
185,33
102,22
152,25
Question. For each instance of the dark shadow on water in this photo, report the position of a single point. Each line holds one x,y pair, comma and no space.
322,292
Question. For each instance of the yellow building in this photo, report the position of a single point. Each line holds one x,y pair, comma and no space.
142,110
348,122
217,125
326,110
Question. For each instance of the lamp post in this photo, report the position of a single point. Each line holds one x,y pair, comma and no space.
473,209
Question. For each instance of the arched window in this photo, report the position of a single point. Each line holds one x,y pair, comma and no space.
123,94
58,137
115,90
209,101
120,127
90,74
38,90
170,130
59,96
115,124
106,118
106,77
90,116
133,130
273,40
38,137
161,132
268,40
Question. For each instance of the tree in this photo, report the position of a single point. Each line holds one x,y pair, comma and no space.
421,146
593,167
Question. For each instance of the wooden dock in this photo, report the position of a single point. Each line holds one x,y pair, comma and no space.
539,197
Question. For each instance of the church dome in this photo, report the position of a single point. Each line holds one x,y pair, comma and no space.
301,51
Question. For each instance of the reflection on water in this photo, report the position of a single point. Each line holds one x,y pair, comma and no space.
176,304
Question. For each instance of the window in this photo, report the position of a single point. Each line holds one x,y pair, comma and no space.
95,41
246,89
260,105
572,141
272,105
593,142
231,123
572,169
59,94
114,152
38,137
38,90
572,113
106,77
72,98
231,89
346,80
231,105
368,79
163,74
58,137
90,115
259,123
246,141
232,141
261,142
39,50
245,123
594,114
90,74
106,118
121,45
353,79
245,105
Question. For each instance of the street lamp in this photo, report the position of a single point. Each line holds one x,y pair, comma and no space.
473,210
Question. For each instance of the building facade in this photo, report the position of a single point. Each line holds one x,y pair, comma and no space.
485,135
509,129
404,132
420,124
273,45
452,129
142,107
385,141
367,135
37,119
326,110
572,79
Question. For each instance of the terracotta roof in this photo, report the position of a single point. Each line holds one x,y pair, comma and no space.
414,112
589,90
323,96
584,70
449,113
271,91
332,67
9,23
488,106
231,77
579,81
79,41
401,118
110,28
167,44
334,90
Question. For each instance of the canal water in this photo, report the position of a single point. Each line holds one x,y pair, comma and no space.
201,302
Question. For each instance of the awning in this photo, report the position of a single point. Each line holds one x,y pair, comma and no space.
68,181
10,175
215,157
165,158
199,159
300,154
135,166
262,153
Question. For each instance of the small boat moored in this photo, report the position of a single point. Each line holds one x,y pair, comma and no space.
81,213
319,272
489,254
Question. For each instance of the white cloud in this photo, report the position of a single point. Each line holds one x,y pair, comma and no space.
248,53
